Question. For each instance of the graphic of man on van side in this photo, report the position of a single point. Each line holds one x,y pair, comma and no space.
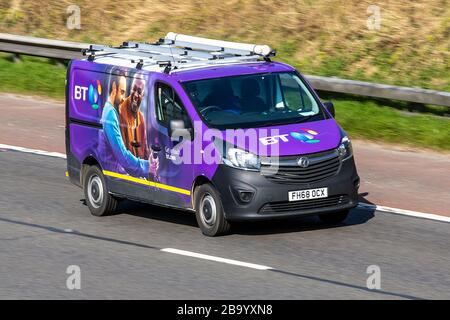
111,146
132,120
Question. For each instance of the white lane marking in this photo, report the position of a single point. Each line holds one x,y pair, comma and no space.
416,214
34,151
217,259
361,205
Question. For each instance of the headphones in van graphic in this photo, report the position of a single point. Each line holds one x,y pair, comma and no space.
307,136
95,94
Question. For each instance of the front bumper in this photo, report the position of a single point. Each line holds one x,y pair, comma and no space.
270,199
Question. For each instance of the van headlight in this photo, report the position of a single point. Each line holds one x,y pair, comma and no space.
238,158
345,149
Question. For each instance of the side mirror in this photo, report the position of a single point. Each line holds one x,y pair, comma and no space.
177,129
330,107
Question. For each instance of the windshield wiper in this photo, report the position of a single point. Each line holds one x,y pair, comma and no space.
304,119
277,123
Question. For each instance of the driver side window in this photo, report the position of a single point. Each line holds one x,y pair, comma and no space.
295,96
169,106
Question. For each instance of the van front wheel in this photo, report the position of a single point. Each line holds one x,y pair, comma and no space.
98,200
209,211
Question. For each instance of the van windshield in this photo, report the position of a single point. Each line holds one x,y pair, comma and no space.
254,100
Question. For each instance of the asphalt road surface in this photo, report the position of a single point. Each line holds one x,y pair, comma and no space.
46,227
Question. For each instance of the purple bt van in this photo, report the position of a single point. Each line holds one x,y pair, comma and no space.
207,126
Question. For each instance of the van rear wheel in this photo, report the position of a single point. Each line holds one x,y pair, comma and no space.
98,200
209,211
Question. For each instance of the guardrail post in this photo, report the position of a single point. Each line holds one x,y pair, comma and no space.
61,63
415,107
16,58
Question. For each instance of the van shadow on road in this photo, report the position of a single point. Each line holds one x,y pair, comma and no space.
290,225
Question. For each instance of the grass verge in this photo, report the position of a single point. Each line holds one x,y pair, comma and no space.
371,119
32,75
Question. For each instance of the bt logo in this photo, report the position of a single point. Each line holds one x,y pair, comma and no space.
305,136
94,93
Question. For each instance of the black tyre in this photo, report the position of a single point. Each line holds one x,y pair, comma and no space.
209,211
334,217
99,201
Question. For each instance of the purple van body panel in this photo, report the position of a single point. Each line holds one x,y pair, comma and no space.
86,141
327,137
86,75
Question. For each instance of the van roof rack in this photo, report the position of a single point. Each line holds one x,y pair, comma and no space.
178,51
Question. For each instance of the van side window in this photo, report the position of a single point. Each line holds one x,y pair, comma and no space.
169,106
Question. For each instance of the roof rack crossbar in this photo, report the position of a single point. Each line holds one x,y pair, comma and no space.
170,49
237,59
98,50
182,51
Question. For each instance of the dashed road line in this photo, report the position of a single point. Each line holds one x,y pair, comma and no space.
34,151
217,259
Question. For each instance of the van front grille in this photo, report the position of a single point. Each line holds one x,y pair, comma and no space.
321,166
293,206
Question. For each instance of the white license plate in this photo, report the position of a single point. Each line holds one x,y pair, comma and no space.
308,194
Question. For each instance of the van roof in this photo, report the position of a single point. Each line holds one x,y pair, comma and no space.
204,71
208,72
189,58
